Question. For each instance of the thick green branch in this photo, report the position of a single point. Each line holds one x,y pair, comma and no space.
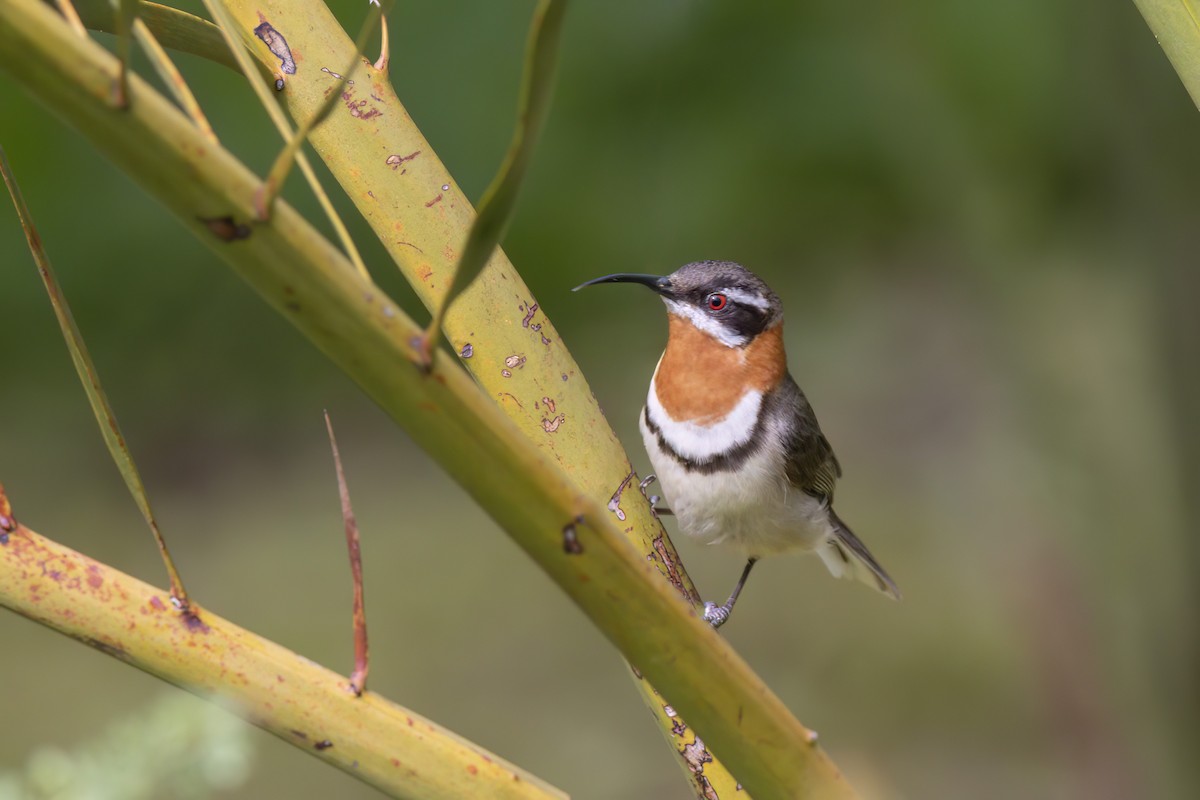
174,29
1176,26
306,705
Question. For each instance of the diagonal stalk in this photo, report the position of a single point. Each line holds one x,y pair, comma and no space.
86,369
283,163
170,76
71,16
226,24
499,201
174,29
306,705
126,11
1176,27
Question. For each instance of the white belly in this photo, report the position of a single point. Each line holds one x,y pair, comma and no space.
753,508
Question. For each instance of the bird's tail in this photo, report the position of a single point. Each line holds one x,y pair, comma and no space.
847,557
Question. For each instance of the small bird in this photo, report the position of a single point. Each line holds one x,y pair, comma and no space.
733,441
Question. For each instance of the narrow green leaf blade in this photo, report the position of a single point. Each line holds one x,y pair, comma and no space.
500,200
105,417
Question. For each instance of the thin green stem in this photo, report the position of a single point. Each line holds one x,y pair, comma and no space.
227,24
105,416
283,163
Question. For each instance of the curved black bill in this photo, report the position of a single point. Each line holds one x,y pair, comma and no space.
659,284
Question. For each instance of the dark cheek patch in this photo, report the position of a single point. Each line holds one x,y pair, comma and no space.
746,321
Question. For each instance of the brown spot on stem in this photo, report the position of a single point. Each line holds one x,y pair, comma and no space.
114,650
696,755
395,161
325,744
226,228
552,425
668,562
570,538
358,108
277,45
193,622
434,201
614,502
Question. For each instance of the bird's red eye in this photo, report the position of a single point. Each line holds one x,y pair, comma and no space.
717,301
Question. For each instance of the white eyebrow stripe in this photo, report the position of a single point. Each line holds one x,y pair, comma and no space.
747,299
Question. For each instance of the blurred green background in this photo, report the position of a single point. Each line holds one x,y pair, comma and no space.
982,220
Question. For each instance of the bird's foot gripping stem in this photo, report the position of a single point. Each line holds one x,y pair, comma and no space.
716,615
653,498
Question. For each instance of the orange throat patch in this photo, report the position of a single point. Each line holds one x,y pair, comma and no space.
700,380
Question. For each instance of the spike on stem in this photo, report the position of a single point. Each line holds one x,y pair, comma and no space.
358,679
381,63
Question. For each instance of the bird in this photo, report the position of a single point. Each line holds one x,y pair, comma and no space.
733,441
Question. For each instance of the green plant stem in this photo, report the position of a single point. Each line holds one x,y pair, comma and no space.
499,201
245,63
309,707
171,76
1176,26
85,368
174,29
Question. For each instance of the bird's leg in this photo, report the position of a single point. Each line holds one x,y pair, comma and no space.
653,498
716,615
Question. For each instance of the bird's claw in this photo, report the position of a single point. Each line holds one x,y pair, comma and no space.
716,615
654,499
